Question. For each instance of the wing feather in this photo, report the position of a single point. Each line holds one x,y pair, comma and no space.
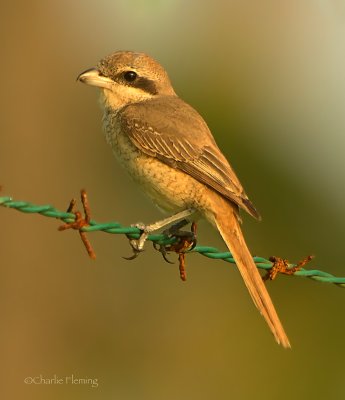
176,134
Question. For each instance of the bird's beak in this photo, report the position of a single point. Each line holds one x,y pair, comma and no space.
93,77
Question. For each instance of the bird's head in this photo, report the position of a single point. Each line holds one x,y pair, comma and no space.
126,77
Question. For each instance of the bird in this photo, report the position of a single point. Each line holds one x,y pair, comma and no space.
169,151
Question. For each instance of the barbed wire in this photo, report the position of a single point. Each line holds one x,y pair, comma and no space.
272,266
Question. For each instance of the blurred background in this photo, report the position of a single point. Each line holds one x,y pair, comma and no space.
268,77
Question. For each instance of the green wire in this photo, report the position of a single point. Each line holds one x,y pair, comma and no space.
134,233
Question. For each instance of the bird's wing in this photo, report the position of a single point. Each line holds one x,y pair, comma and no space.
173,132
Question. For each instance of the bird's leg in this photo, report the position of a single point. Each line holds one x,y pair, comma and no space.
175,231
176,228
138,244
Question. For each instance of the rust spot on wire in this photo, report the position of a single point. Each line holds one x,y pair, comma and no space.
80,221
281,266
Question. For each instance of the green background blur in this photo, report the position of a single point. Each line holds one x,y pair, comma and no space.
268,77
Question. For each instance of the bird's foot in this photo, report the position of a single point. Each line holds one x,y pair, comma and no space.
163,249
185,241
138,244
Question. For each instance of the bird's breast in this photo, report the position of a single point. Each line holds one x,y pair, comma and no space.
169,188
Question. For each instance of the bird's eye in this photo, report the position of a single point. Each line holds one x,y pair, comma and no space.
130,76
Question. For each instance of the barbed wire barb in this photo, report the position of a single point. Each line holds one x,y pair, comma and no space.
72,219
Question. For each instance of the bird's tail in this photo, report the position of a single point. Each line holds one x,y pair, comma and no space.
229,228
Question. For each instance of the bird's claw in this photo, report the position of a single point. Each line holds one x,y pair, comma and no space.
136,251
163,250
132,257
185,241
138,244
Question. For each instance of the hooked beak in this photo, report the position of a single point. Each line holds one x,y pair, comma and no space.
93,77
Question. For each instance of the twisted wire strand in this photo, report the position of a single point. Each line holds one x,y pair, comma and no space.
160,239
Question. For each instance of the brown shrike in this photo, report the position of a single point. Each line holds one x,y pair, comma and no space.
168,149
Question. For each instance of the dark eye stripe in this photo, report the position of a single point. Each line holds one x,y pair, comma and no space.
146,85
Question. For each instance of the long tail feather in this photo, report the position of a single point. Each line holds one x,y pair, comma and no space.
229,228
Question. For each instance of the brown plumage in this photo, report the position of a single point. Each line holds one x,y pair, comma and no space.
171,132
168,149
